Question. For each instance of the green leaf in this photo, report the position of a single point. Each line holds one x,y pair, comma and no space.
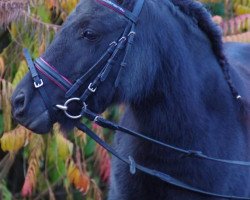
1,123
90,147
57,170
5,194
44,14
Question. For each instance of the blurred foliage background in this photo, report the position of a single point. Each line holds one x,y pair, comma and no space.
63,165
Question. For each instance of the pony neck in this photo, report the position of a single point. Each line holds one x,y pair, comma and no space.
190,92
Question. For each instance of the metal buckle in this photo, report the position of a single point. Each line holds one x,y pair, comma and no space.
91,89
113,43
38,85
132,33
96,118
122,39
65,108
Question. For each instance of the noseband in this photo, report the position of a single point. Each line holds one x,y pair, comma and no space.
103,67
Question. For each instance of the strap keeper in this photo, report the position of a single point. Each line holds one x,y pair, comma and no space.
132,165
111,61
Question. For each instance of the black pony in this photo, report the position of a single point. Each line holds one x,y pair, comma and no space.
182,86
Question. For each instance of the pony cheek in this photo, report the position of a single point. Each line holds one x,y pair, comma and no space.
101,100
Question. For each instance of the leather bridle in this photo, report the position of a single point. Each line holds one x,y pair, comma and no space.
103,67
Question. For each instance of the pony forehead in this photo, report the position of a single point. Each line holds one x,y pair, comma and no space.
111,5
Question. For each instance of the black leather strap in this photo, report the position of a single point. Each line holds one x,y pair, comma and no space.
123,65
32,67
133,166
92,70
47,101
53,74
132,16
38,81
138,8
101,77
190,153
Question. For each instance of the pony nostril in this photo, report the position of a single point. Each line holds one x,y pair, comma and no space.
19,103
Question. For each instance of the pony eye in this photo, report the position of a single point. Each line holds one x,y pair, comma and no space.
89,35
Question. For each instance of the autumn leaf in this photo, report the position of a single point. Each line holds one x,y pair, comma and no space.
14,140
102,158
79,179
30,178
2,66
63,145
36,148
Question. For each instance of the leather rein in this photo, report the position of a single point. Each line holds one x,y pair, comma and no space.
103,67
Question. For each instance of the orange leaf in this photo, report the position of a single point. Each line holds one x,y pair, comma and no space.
80,180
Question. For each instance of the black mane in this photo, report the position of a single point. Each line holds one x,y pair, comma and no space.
204,20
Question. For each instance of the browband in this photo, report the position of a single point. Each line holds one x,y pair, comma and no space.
132,16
